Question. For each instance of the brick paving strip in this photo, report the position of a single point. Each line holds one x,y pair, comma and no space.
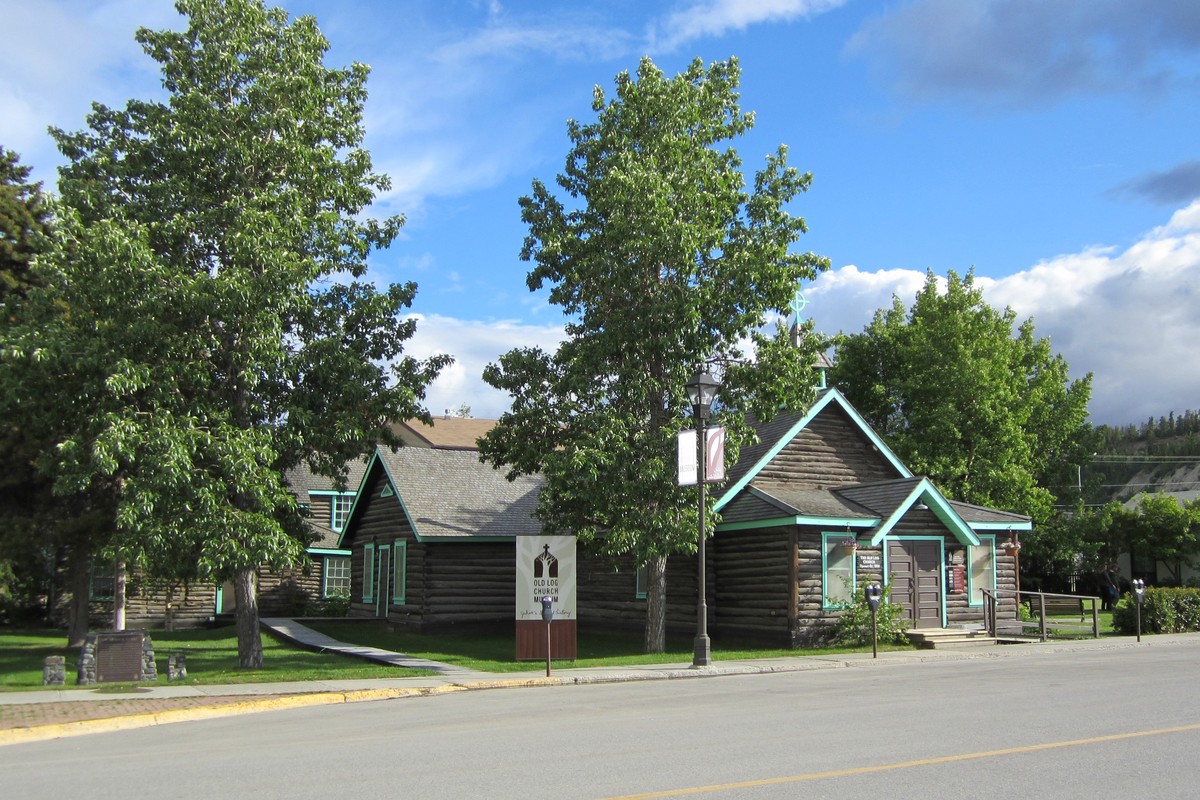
31,715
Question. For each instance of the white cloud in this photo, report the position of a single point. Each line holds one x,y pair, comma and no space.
474,345
59,56
1131,317
711,18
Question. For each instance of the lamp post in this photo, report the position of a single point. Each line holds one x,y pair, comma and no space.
702,391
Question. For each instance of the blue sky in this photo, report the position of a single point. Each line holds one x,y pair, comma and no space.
1052,146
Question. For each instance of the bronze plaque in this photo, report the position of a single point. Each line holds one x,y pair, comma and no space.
119,656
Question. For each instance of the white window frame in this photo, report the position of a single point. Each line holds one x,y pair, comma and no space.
340,506
341,562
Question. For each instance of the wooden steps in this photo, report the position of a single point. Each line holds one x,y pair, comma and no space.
947,638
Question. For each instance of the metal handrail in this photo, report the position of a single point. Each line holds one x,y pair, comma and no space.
991,603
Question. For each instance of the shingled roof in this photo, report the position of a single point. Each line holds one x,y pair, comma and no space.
445,433
450,494
304,481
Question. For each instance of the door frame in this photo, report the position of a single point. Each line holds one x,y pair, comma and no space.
941,570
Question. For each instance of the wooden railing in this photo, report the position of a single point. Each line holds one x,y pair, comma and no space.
1042,605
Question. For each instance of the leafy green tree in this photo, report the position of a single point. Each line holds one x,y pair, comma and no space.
24,222
968,397
663,262
1167,530
36,528
1092,540
219,328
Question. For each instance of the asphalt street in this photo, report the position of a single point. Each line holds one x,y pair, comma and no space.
1062,723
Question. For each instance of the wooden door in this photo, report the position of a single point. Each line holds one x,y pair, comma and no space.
916,569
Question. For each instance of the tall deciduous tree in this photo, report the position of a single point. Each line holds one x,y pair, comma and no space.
968,397
663,262
212,261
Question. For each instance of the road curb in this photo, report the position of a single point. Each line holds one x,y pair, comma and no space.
62,730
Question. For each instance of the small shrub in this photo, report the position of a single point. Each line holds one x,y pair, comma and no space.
1164,610
853,629
336,605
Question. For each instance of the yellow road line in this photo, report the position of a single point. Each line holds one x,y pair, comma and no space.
812,776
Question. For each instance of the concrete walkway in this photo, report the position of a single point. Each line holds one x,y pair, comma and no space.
306,637
55,713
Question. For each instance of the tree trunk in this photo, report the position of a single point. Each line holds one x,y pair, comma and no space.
80,570
245,584
119,576
656,605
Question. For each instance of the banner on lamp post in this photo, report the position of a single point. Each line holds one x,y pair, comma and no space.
714,471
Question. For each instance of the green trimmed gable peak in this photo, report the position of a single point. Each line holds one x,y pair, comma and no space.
827,445
828,468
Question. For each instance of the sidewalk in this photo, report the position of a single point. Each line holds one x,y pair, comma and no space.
56,713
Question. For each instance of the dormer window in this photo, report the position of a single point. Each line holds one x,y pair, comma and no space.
339,510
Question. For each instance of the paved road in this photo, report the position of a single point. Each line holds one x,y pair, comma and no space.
1087,724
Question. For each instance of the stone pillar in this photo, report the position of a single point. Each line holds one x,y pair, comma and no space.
176,667
149,670
87,662
54,671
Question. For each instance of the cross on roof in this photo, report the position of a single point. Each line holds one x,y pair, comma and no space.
798,304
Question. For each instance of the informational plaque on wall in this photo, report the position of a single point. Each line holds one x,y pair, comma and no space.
870,561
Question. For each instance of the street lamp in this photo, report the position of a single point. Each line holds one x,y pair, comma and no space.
702,391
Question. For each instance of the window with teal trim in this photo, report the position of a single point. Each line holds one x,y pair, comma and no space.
982,572
339,510
399,572
837,570
641,582
336,576
368,573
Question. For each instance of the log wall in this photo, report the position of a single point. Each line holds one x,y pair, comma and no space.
830,451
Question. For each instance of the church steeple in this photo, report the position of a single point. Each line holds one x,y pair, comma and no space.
799,303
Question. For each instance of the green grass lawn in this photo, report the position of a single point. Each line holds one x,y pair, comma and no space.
496,652
212,654
1068,626
211,658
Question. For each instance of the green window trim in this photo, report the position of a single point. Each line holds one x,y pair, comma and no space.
833,594
336,568
368,593
987,540
399,572
641,583
339,510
